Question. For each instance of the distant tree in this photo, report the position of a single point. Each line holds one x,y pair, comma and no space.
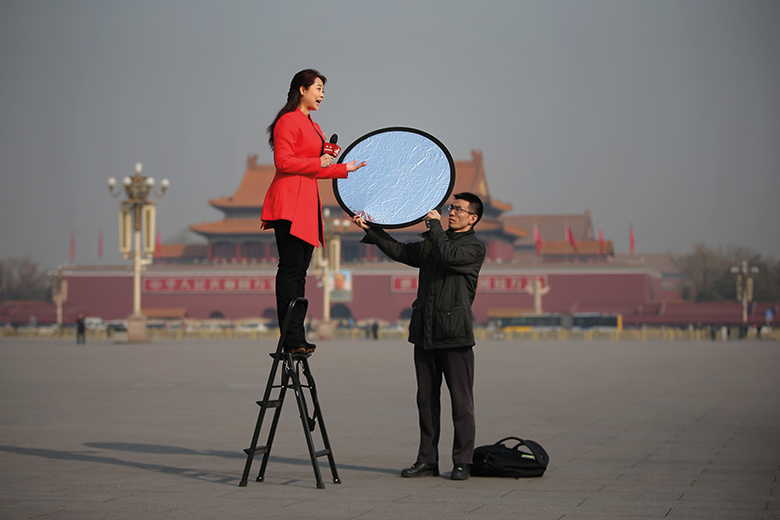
22,279
708,273
766,283
701,268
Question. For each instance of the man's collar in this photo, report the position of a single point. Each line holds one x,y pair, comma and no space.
450,233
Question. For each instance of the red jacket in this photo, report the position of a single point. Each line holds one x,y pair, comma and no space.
294,194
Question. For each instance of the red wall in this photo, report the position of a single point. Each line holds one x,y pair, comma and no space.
110,296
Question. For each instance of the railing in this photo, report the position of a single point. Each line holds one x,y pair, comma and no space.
644,334
358,333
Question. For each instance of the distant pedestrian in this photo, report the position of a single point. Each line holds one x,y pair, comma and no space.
81,329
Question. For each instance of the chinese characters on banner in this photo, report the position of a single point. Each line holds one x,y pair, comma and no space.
210,284
495,283
267,284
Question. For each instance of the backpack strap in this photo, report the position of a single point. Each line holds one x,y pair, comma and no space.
538,452
499,443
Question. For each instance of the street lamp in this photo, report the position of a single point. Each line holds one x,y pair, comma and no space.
328,261
59,290
534,288
744,286
136,236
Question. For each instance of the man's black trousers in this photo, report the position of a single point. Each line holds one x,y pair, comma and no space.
456,367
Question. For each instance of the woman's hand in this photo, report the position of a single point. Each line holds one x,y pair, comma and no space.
354,166
327,160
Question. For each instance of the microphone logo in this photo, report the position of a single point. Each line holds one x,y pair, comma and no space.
331,148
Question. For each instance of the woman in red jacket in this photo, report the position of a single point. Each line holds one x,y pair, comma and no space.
292,205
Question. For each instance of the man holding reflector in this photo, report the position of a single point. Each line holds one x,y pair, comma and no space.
441,326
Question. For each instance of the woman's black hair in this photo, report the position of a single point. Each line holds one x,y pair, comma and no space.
304,78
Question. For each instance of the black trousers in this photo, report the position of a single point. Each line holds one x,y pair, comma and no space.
294,258
456,367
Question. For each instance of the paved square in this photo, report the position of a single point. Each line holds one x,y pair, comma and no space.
633,429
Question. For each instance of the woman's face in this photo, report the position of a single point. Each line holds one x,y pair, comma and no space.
312,96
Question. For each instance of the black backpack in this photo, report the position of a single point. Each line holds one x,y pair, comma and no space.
498,460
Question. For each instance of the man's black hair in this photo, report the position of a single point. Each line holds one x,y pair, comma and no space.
475,203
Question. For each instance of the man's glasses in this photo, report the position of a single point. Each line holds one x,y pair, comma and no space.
459,210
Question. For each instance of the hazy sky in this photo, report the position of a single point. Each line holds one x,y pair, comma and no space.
666,112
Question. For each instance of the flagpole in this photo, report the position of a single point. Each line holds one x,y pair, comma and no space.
601,242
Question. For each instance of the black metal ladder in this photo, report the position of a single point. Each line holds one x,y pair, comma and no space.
293,367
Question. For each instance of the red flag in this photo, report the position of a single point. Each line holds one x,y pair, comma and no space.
72,244
538,240
631,233
601,242
158,246
100,244
570,238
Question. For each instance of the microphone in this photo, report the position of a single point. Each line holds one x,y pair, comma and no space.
331,148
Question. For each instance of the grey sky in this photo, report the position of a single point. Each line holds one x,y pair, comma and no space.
667,112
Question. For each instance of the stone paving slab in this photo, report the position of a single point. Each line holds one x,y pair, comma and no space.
634,430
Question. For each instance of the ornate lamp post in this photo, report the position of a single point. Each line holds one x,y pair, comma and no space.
136,236
744,286
59,290
328,263
534,288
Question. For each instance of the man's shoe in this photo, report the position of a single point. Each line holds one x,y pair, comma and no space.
421,469
460,472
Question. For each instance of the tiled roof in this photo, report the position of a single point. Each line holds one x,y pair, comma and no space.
584,247
469,176
552,227
232,226
251,227
251,191
182,250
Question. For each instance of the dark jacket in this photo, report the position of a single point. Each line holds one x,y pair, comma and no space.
449,265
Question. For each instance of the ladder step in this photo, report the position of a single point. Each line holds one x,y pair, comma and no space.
296,356
259,450
272,403
320,453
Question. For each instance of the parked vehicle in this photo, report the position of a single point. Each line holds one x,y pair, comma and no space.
95,323
252,327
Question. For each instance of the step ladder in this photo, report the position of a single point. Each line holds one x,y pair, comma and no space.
293,367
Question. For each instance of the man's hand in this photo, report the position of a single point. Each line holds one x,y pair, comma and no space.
432,215
360,222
